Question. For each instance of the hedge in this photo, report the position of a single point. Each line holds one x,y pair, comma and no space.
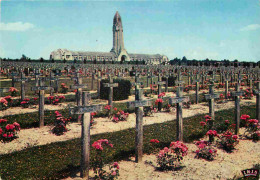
119,93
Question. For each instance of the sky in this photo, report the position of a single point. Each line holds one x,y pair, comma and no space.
196,29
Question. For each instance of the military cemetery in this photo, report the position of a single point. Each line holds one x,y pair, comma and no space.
86,114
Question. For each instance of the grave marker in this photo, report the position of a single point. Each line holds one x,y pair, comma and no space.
111,85
237,95
41,88
179,99
257,93
139,103
211,98
85,110
23,79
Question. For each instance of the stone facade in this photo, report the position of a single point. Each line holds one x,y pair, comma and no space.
117,53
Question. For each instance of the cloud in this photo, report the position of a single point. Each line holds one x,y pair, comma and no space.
16,26
251,27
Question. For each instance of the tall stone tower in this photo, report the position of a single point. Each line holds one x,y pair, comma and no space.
118,38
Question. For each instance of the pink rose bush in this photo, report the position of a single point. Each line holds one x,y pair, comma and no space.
55,100
170,158
64,88
248,94
98,164
8,132
228,141
120,116
205,150
252,129
60,124
14,91
159,103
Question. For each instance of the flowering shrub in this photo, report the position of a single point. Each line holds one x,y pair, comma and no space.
64,88
169,158
119,115
8,132
221,98
252,129
8,99
13,91
248,94
92,118
203,87
220,85
3,104
228,141
35,101
187,88
159,103
205,151
55,100
60,124
107,111
244,118
98,163
25,103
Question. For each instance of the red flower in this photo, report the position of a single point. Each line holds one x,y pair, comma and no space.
235,137
115,109
1,131
154,141
9,127
226,121
3,120
202,123
5,135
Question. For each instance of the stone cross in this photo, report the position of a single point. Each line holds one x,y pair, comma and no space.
237,95
226,85
166,82
160,84
85,110
250,79
203,77
37,75
111,85
179,99
13,74
137,82
92,80
211,98
52,79
23,79
150,76
197,86
98,83
257,93
41,88
57,81
179,82
139,103
78,85
189,77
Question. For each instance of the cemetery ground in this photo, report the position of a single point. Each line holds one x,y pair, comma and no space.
61,159
40,154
